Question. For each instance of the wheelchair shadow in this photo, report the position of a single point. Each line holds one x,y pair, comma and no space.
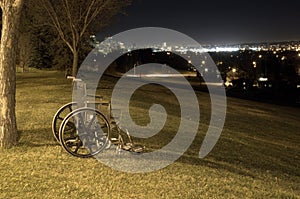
36,138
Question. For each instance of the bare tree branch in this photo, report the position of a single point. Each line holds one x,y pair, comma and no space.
73,20
56,22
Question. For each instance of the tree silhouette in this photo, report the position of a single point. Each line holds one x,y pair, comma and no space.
76,20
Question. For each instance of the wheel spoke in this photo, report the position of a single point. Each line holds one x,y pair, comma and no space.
81,119
92,120
70,124
78,145
60,118
82,135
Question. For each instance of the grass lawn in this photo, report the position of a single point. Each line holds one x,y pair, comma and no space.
257,156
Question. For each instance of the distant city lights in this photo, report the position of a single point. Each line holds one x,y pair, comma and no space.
111,44
263,79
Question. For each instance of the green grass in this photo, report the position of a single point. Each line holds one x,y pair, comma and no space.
257,155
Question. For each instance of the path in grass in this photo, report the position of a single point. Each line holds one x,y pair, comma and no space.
257,155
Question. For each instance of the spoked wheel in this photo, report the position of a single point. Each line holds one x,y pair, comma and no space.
84,132
60,116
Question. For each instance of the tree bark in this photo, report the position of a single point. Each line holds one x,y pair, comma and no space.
75,63
11,10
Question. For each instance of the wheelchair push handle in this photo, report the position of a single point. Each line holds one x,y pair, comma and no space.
74,79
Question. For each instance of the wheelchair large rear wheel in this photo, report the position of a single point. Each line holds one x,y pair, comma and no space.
84,132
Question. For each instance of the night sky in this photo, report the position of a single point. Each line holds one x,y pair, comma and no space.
216,22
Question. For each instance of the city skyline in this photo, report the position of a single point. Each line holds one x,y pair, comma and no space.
210,22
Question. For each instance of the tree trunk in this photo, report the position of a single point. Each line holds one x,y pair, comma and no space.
10,20
75,63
